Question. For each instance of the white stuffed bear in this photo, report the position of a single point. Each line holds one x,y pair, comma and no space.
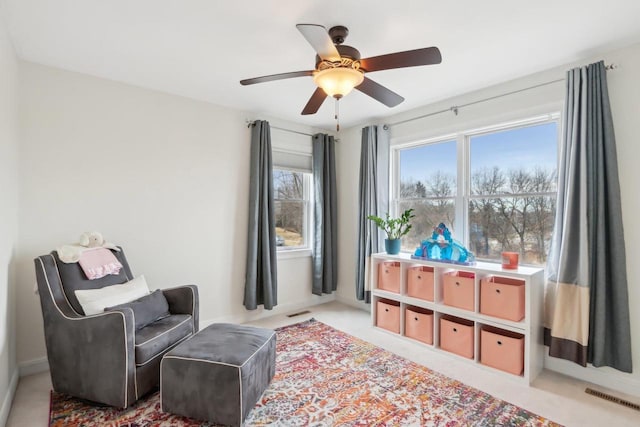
91,239
94,239
88,240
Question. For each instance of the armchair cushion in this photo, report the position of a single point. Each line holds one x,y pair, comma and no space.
94,301
154,339
147,309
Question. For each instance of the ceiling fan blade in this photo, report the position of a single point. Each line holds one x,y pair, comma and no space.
379,93
273,77
408,58
315,102
319,39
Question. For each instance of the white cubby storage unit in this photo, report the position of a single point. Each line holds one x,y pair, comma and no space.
513,348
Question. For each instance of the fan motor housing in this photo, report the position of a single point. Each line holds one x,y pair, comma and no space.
345,52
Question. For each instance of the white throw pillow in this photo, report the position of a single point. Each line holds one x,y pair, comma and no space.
94,301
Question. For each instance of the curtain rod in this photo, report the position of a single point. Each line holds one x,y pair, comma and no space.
454,109
292,131
250,122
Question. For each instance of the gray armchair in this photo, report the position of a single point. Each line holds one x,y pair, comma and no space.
102,357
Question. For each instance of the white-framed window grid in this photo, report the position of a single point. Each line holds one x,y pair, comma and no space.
463,196
285,245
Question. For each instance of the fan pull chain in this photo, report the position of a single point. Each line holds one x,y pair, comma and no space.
337,113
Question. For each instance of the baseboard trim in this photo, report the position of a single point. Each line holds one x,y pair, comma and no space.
33,366
604,377
261,313
8,399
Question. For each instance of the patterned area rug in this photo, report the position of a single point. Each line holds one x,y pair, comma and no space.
325,377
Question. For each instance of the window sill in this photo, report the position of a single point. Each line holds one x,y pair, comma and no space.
293,253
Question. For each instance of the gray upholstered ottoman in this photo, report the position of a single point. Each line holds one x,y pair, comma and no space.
219,374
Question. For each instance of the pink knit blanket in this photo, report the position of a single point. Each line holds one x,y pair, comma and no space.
98,262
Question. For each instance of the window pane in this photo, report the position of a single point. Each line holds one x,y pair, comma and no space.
428,170
289,217
519,224
288,184
290,208
428,214
522,160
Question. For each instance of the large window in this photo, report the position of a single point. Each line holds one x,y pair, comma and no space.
495,189
292,210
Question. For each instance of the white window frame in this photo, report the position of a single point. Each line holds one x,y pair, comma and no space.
463,184
284,252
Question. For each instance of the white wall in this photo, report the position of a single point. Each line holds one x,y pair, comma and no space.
624,92
8,217
166,177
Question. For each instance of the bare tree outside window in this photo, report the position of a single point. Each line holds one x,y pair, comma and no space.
519,218
290,208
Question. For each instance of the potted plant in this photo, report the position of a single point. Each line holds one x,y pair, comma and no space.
395,229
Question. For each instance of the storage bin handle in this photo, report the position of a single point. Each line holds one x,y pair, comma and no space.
457,283
497,291
386,309
416,319
455,329
419,277
499,342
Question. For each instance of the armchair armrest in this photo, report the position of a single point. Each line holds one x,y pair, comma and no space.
94,356
184,300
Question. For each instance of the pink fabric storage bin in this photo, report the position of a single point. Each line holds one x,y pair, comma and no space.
418,324
456,336
502,297
388,315
502,350
389,276
459,290
420,282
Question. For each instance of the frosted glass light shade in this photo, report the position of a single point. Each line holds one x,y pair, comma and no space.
338,82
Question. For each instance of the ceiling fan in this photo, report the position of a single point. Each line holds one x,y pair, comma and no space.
339,67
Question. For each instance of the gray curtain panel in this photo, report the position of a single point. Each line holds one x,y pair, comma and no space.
587,306
325,237
373,200
261,281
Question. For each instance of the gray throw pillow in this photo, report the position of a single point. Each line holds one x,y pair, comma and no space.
147,309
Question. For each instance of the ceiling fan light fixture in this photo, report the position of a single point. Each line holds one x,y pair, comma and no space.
338,82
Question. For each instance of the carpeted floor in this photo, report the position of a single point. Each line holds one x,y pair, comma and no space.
325,377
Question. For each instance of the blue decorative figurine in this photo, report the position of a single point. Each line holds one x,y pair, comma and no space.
441,246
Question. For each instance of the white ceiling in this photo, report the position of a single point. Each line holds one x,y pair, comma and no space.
202,48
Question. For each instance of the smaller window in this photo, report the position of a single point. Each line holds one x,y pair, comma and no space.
292,208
